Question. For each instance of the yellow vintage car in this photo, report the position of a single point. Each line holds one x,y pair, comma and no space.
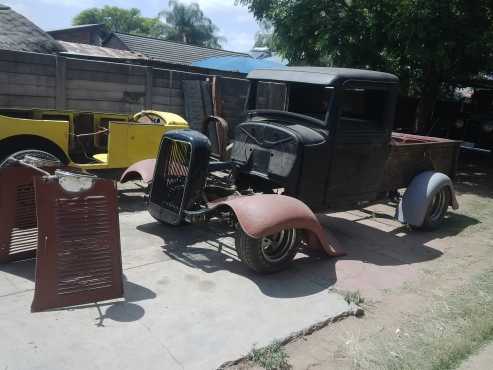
91,141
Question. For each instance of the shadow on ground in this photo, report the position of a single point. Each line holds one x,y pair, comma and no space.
124,311
132,199
202,247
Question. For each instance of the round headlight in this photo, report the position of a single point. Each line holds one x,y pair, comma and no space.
487,127
459,123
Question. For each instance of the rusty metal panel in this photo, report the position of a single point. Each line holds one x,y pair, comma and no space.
18,226
79,255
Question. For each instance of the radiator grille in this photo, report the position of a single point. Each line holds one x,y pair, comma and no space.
83,253
18,226
172,175
79,257
24,234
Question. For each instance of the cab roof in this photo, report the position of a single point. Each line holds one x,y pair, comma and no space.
320,75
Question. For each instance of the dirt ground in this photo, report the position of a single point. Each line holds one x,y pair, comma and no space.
403,278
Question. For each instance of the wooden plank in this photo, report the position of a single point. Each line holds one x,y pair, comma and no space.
176,101
29,68
148,88
104,86
160,107
161,100
194,106
60,93
207,98
233,86
28,90
7,78
106,67
26,57
161,75
106,77
180,110
167,92
161,83
101,95
103,106
21,101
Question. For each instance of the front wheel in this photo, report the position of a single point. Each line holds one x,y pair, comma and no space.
270,253
437,209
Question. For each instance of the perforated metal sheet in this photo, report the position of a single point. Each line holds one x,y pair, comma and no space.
18,226
79,258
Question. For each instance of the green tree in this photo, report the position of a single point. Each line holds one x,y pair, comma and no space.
122,20
188,24
430,45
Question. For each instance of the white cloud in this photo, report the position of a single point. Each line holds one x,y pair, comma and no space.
239,41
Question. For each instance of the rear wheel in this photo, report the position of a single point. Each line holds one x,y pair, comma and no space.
268,254
437,209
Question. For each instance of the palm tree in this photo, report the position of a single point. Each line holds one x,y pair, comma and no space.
187,24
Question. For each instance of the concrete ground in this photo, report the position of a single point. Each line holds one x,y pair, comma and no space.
190,304
403,275
186,306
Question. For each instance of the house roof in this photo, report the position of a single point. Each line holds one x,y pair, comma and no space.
79,27
19,33
74,48
170,51
320,75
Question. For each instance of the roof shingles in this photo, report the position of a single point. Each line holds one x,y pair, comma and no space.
19,33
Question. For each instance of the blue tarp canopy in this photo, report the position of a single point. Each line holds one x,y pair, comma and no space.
236,64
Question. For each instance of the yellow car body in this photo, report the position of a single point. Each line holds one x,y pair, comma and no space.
129,138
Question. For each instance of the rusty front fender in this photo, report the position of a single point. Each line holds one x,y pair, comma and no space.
142,170
262,215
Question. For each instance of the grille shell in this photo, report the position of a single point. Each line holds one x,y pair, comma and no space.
79,255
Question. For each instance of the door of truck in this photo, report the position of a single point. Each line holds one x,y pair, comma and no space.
360,131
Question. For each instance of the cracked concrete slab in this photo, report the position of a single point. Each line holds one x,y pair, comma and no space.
187,305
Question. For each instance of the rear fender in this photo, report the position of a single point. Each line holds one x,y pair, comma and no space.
262,215
416,200
142,170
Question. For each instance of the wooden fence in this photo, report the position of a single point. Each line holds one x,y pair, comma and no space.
29,80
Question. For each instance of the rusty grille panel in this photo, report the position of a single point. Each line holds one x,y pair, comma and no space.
18,227
83,259
80,258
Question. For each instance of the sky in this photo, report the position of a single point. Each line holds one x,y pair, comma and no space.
236,24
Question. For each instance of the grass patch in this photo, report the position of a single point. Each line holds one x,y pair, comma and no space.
354,297
272,357
451,330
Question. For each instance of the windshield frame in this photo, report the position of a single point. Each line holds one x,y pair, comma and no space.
251,101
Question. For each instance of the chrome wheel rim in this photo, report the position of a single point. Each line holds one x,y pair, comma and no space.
276,247
437,205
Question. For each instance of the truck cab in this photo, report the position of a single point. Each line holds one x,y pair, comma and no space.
325,137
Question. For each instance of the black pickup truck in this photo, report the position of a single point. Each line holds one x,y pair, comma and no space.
327,144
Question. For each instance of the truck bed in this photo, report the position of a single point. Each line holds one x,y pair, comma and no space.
412,154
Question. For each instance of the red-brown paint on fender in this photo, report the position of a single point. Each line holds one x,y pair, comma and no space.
267,214
141,170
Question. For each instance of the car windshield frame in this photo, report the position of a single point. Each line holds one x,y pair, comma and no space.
251,101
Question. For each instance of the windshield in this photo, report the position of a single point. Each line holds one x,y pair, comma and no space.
311,100
305,99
